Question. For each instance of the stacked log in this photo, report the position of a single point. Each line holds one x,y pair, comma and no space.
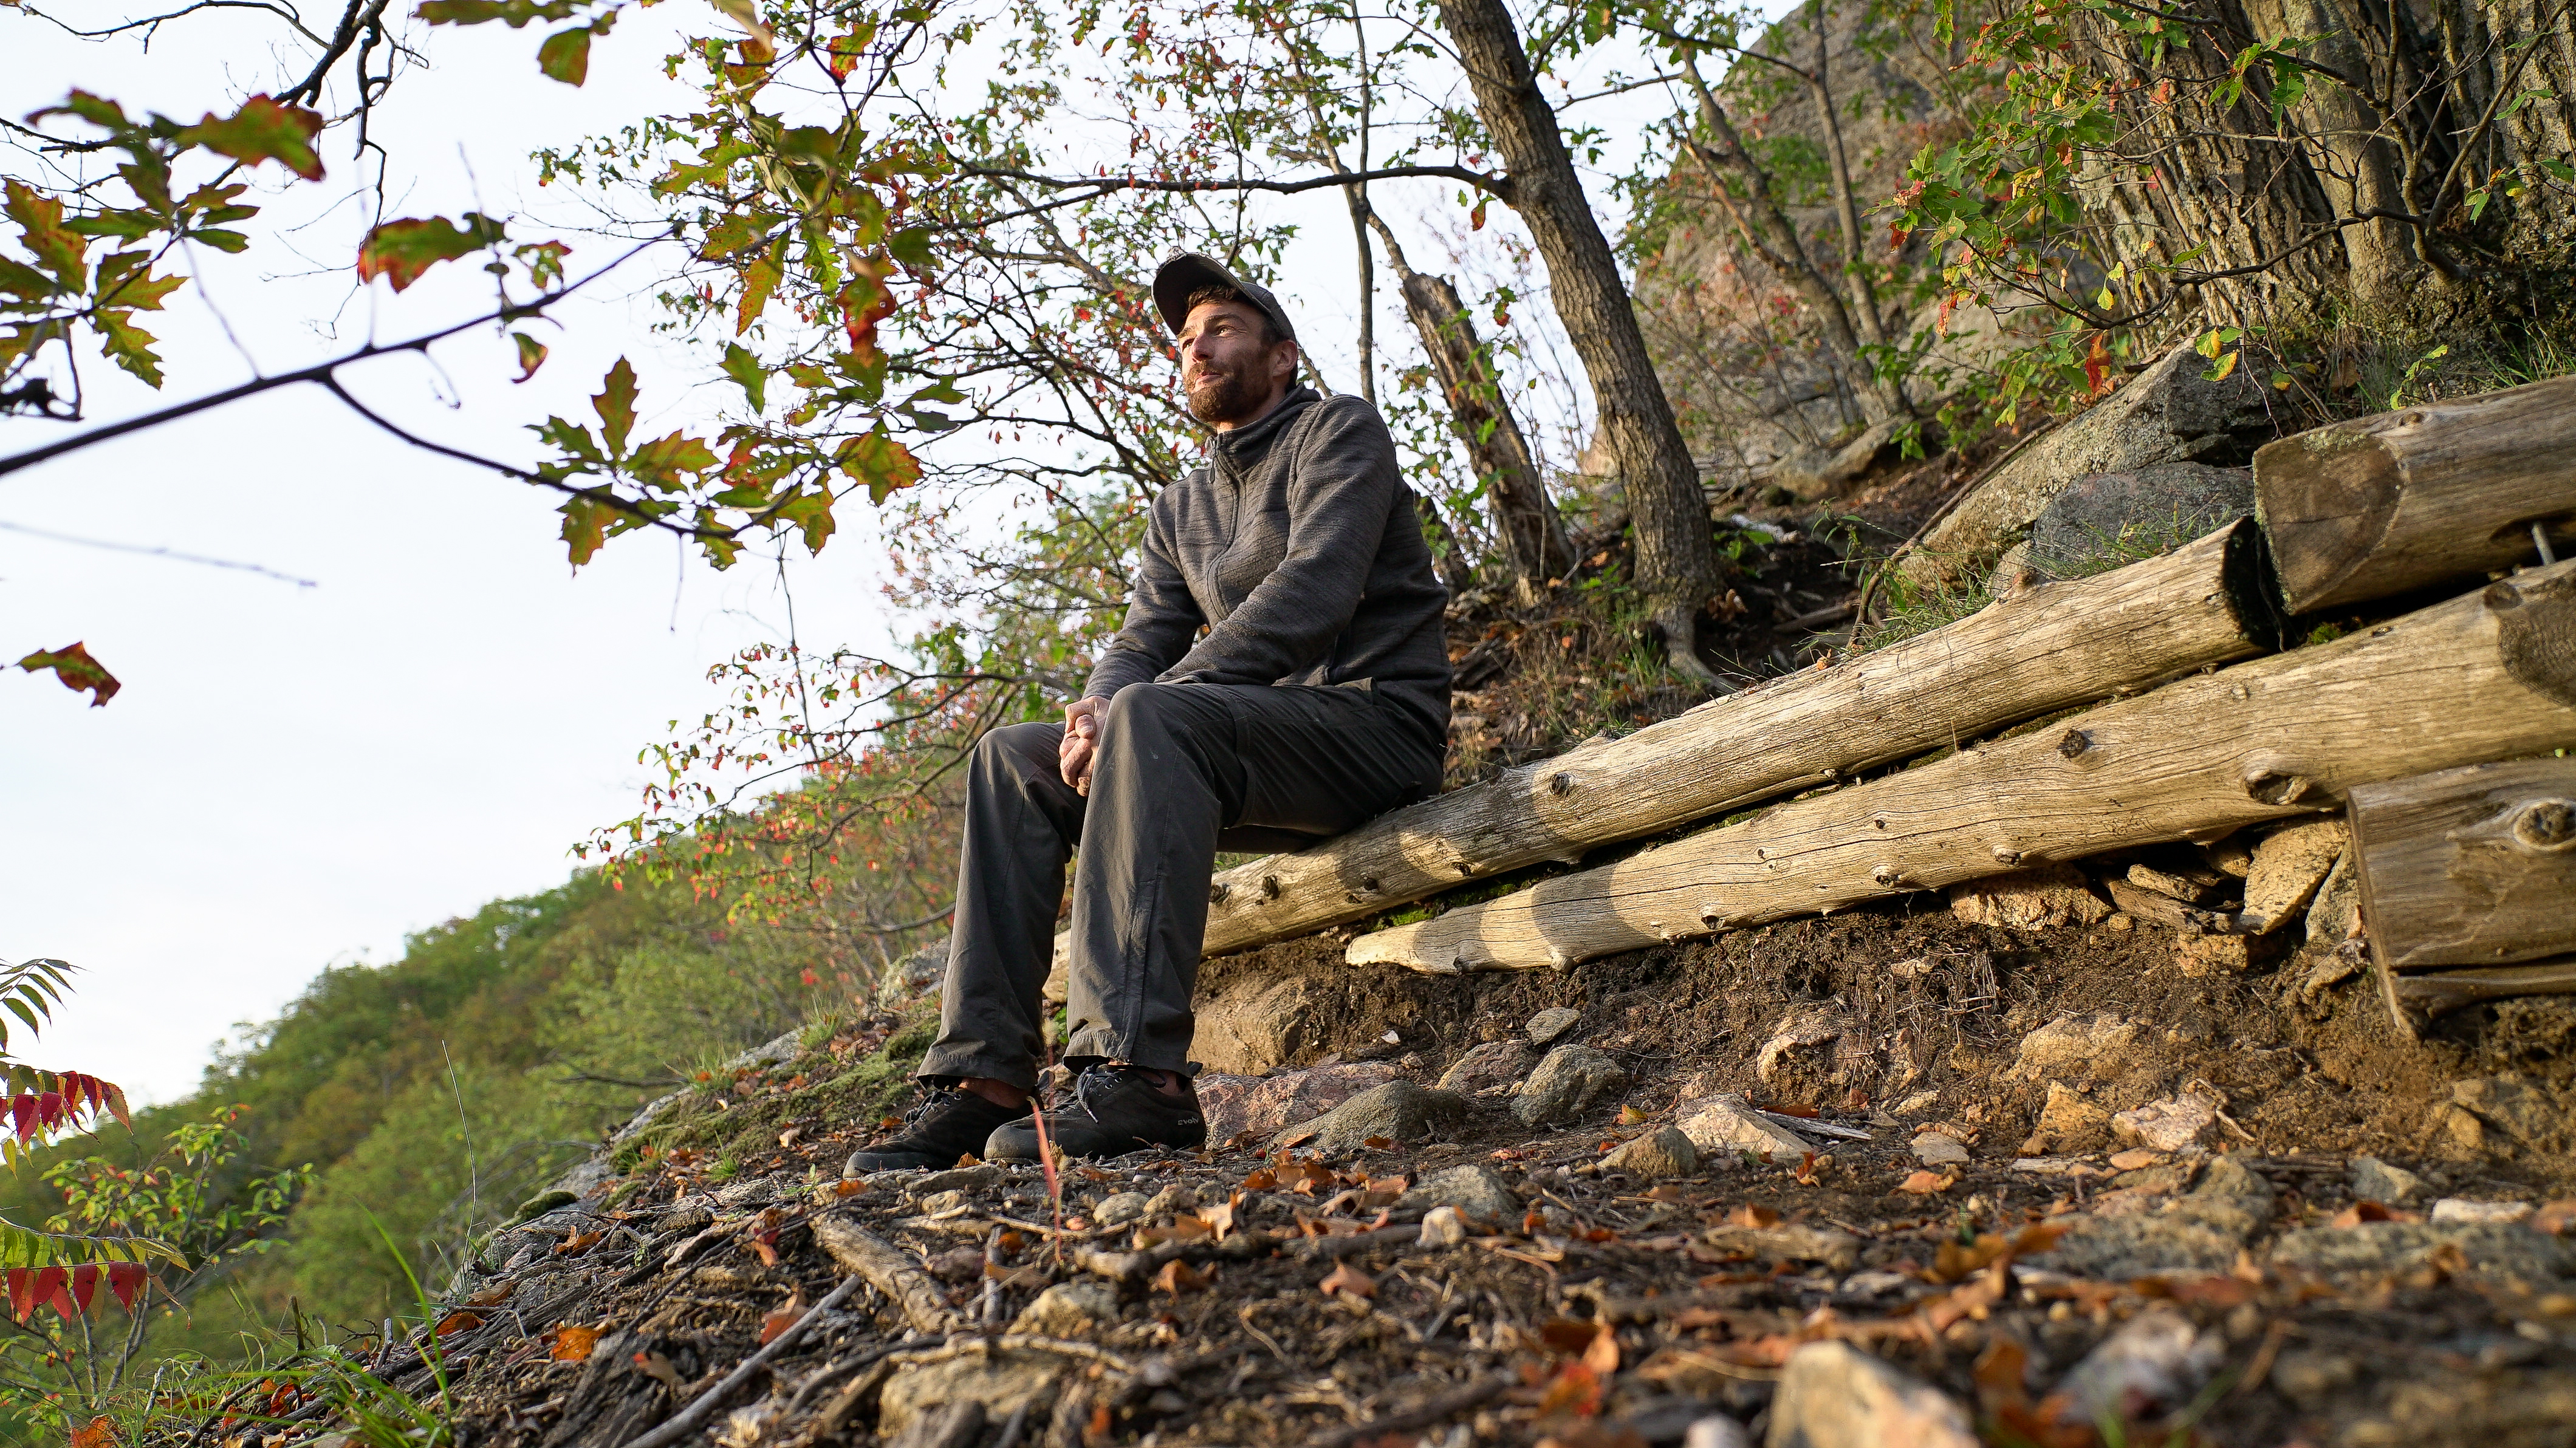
2487,676
2468,883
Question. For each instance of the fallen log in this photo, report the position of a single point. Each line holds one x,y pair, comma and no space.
2424,495
889,1269
2415,998
2046,648
2469,867
2490,675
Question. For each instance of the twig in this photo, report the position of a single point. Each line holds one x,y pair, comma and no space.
685,1422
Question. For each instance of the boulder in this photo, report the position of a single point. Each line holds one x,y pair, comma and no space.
1493,1066
1549,1026
2289,865
2504,1251
1660,1153
915,975
2032,899
1833,1395
1571,1081
1474,1189
2169,413
1397,1111
1004,1382
1234,1105
1253,1025
2373,1180
2103,520
1728,1124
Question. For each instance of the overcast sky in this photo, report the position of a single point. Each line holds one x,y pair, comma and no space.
299,775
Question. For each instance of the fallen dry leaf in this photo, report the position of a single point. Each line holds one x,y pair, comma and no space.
1349,1281
787,1139
101,1433
456,1322
1568,1336
2135,1158
847,1188
774,1323
1261,1179
1575,1392
1666,1192
1603,1355
573,1344
2361,1212
578,1243
659,1369
1631,1116
1749,1215
1178,1277
492,1296
1925,1184
1220,1219
1377,1143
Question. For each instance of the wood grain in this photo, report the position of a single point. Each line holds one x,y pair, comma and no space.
2403,500
2276,737
2469,867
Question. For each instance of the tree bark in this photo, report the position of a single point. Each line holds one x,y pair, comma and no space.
889,1269
2279,737
1533,534
1677,567
2052,646
2469,867
2403,500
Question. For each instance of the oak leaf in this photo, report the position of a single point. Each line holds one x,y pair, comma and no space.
574,1344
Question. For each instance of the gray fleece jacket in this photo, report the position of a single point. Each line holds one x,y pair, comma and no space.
1298,546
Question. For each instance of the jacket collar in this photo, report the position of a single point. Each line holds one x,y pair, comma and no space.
1245,446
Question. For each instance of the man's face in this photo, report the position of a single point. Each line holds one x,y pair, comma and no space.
1228,374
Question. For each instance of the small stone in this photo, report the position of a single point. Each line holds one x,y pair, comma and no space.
1473,1189
1933,1148
1398,1111
2311,1378
1120,1209
2032,899
2081,1048
2373,1180
1663,1152
1069,1309
2336,908
2187,1118
1170,1201
2200,956
1571,1081
1800,1030
1493,1066
1919,1101
957,1264
2513,1107
960,1179
1833,1395
2461,1209
2289,864
2174,885
1550,1025
1837,1250
1004,1381
2071,1121
1444,1227
1716,1431
1724,1124
2157,1358
937,1202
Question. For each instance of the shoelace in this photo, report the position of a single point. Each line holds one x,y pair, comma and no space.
927,1104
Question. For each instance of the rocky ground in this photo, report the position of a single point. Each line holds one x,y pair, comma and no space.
2018,1167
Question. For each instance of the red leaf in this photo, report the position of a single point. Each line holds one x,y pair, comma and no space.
400,251
22,1116
52,1284
126,1280
101,1433
73,665
84,1286
779,1321
22,1292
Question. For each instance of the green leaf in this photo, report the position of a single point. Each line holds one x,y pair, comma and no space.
532,355
615,404
748,374
565,55
262,130
911,246
585,526
78,671
129,345
2226,366
514,13
400,251
879,463
759,281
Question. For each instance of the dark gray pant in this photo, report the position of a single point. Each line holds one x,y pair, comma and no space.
1181,771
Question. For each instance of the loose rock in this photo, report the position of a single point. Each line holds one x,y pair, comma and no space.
2070,1121
2511,1106
1571,1081
1933,1148
1493,1066
1237,1104
2371,1251
1003,1382
2187,1118
2032,899
1801,1029
1397,1111
1833,1395
1118,1209
2373,1180
2289,865
2104,519
2461,1209
1730,1124
1663,1152
1069,1309
1474,1189
1443,1227
1550,1025
2156,1359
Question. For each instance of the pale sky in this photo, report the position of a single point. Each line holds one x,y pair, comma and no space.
300,776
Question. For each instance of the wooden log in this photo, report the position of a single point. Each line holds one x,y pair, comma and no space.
889,1269
2281,736
2469,867
2434,993
2444,492
2047,648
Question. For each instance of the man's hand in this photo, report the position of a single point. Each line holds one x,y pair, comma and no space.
1073,754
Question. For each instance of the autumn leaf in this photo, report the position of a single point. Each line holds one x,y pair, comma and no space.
1574,1393
1602,1356
401,251
492,1296
100,1433
565,55
456,1322
532,355
615,404
778,1321
574,1344
1178,1277
1924,1184
262,130
1750,1215
1261,1179
1349,1281
78,671
578,1243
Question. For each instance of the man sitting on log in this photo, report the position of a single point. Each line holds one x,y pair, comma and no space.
1281,676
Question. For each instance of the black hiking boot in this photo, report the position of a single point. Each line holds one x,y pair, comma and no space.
1115,1110
949,1122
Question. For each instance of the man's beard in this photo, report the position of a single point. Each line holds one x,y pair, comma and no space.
1225,397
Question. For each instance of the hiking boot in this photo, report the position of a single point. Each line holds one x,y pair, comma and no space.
1115,1110
949,1122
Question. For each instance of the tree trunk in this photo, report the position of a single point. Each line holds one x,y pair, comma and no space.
2041,650
2275,738
2469,867
2403,500
1677,567
1533,534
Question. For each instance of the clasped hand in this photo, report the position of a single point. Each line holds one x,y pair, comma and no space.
1075,752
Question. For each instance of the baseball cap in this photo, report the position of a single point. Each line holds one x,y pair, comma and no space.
1189,271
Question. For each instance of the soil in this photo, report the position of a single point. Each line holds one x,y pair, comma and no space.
1619,1311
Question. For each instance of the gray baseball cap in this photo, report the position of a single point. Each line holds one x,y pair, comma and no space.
1189,271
